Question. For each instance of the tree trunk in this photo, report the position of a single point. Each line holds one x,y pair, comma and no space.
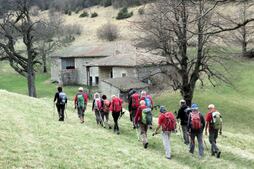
187,94
244,42
44,62
31,80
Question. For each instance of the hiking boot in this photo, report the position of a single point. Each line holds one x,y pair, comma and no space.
134,127
169,158
118,132
145,145
218,154
109,127
151,127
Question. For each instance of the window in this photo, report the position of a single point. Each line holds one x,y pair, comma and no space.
123,74
111,74
68,63
96,80
91,80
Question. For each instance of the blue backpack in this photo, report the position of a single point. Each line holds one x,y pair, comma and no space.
148,102
62,98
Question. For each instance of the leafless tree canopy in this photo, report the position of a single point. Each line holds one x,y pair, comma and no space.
169,26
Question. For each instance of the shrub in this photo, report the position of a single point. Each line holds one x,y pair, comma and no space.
94,14
84,14
141,11
123,14
108,32
106,3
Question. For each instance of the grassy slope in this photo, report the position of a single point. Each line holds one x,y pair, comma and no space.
31,138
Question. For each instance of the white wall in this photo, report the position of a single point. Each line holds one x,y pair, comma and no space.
118,71
108,89
55,70
82,73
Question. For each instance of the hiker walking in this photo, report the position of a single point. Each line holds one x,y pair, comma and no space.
105,111
80,102
167,121
97,107
133,106
214,124
148,102
196,124
60,100
183,114
116,109
143,118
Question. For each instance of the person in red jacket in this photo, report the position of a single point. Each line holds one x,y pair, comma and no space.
133,106
116,109
80,102
167,122
213,133
148,101
143,127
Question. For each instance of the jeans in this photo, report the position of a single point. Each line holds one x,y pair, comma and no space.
143,132
185,134
60,110
199,135
133,114
105,118
213,135
115,116
81,111
166,142
98,117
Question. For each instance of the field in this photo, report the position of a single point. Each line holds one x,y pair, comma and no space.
31,136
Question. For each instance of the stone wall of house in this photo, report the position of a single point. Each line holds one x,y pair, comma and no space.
69,76
129,72
80,65
56,67
105,72
108,89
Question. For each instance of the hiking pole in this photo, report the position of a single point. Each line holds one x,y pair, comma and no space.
205,145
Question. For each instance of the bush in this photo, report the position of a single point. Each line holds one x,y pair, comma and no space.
141,11
106,3
94,14
84,14
108,32
123,14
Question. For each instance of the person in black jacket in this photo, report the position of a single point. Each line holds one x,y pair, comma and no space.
196,124
183,114
60,100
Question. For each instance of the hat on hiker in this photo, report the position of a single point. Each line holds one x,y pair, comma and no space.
194,106
143,93
211,106
163,109
182,102
80,89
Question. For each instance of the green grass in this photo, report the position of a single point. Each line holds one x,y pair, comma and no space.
31,137
11,81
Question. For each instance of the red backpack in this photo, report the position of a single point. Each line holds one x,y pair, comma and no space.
135,100
116,105
169,123
195,121
106,106
97,104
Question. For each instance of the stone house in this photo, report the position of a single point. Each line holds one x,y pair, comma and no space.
113,67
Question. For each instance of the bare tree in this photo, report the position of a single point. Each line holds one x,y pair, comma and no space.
243,36
17,25
169,26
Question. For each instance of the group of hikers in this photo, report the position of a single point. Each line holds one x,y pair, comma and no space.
141,108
